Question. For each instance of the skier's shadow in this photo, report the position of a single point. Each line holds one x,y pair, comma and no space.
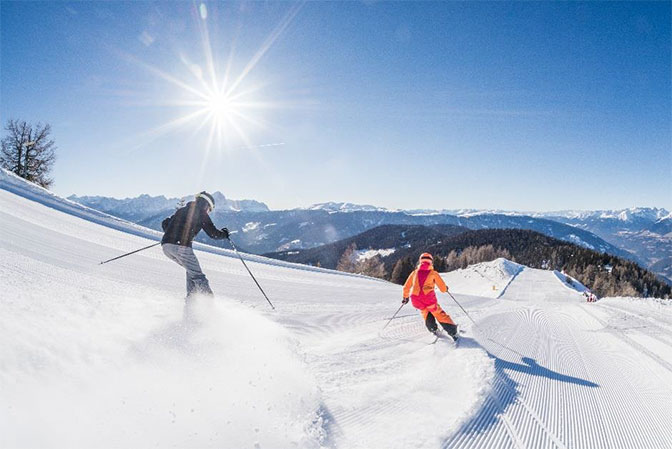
505,390
530,366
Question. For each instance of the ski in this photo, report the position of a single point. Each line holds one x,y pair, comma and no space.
441,336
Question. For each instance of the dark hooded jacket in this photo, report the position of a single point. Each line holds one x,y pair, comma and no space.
182,227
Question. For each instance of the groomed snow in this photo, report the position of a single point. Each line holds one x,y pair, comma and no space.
108,356
571,374
487,279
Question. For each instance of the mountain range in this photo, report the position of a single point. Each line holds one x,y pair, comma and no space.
640,234
391,251
139,208
644,232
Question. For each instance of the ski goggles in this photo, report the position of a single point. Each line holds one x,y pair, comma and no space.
426,257
211,203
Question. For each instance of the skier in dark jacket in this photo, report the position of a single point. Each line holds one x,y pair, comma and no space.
179,232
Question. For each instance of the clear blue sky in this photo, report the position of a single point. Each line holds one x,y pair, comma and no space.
523,105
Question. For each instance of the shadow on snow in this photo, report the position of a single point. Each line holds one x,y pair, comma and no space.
504,392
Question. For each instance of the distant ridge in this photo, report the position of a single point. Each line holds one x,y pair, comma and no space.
399,246
639,233
142,206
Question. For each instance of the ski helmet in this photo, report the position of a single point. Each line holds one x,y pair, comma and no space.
208,198
427,257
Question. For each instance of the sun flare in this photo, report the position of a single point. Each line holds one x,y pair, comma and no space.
215,99
220,108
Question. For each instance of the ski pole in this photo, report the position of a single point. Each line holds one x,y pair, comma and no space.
395,314
248,270
465,312
132,252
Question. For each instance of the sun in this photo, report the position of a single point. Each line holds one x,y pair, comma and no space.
211,98
230,121
220,108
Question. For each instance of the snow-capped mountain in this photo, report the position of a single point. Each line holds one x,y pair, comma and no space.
631,214
143,206
642,233
662,227
346,207
262,231
634,215
645,232
636,233
132,209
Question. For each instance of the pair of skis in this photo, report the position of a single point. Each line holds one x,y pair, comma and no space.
441,336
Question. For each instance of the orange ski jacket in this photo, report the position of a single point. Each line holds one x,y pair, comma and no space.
412,285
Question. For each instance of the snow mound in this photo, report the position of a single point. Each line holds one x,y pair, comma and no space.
570,282
432,391
398,390
487,279
104,370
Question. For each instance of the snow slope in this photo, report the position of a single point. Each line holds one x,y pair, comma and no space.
488,279
571,374
13,184
109,356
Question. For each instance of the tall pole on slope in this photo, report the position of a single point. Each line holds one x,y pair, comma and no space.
248,270
132,252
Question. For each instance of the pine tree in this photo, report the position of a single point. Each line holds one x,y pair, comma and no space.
402,269
440,264
347,261
373,267
452,261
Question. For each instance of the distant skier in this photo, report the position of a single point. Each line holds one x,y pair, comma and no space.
179,232
420,287
590,296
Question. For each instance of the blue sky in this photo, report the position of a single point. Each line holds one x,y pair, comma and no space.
522,105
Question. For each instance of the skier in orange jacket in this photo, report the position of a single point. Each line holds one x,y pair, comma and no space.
420,287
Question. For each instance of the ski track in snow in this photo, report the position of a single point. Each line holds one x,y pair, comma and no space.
108,356
564,379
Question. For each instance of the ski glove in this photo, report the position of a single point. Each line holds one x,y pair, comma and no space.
225,232
404,301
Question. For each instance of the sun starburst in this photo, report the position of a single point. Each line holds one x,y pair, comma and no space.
219,102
